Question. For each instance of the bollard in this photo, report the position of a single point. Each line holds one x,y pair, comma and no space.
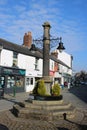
64,115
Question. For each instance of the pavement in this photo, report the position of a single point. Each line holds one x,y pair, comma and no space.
9,100
74,95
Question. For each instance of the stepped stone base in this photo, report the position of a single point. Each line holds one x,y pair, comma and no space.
44,110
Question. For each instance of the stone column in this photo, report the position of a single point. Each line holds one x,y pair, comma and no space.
46,48
46,58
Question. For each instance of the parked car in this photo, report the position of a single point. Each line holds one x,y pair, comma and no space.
83,83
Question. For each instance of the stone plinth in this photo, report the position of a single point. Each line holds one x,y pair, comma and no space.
44,110
48,83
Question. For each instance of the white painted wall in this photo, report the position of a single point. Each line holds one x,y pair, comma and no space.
65,57
28,63
52,65
63,69
25,62
6,58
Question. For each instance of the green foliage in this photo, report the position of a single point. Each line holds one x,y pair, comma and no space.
40,88
56,89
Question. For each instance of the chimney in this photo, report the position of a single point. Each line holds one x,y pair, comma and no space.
27,40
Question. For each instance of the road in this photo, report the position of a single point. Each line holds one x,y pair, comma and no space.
77,96
8,101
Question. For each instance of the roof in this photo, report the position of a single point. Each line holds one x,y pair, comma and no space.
25,50
18,48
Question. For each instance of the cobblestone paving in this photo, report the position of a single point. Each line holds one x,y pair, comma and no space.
12,123
9,122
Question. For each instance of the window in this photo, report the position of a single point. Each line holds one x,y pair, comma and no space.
56,66
36,63
15,54
19,81
10,81
15,58
29,81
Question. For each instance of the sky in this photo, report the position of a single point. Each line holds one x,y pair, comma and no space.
68,19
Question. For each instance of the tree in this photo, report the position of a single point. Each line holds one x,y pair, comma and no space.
81,76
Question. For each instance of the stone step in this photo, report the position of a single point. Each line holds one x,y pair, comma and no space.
53,112
24,112
38,102
62,111
47,107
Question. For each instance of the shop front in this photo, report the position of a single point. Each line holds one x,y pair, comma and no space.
10,77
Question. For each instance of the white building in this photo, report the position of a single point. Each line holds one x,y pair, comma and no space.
18,64
66,72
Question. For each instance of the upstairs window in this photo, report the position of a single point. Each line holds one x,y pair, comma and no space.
56,66
15,59
15,55
37,64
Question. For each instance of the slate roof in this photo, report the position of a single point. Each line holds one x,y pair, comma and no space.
25,50
18,48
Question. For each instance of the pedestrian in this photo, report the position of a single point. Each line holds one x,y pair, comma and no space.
62,86
68,85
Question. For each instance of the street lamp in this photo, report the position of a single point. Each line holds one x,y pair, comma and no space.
46,50
61,47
